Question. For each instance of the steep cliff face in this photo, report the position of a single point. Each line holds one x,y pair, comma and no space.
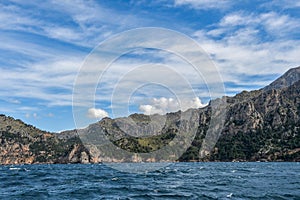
25,144
261,125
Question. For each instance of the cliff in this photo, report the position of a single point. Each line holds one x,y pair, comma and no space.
25,144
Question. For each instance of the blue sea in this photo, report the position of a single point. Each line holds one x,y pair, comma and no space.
175,181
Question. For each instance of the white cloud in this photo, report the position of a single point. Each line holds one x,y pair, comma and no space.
42,81
91,22
252,44
237,18
94,113
48,70
13,101
21,20
279,25
286,4
164,105
204,4
63,33
94,22
274,23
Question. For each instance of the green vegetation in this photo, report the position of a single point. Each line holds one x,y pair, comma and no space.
144,145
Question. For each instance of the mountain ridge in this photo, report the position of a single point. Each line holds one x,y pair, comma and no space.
286,80
259,125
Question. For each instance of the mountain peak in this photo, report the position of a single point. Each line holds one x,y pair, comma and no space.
286,80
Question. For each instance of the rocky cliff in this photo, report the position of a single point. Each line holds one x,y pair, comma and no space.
261,125
25,144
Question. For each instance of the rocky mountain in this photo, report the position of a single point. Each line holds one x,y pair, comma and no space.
260,125
25,144
264,126
288,79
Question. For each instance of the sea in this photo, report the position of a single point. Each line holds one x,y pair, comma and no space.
203,180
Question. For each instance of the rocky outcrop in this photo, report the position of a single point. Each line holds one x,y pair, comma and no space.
25,144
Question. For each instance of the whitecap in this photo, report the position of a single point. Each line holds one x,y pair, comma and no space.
229,195
14,168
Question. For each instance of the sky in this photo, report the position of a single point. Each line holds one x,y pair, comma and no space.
45,44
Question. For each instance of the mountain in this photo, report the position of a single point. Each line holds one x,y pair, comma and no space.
265,125
288,79
260,125
25,144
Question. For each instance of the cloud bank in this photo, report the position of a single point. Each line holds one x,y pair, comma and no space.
164,105
94,113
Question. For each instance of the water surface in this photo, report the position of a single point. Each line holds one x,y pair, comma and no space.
176,181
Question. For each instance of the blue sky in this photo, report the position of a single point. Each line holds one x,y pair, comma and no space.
44,44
